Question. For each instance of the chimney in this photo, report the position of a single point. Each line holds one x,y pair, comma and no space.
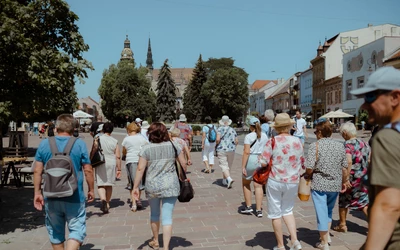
370,25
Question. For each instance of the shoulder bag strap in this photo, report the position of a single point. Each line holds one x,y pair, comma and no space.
70,144
272,145
253,143
178,167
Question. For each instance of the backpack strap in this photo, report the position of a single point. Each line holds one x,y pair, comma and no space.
70,144
53,146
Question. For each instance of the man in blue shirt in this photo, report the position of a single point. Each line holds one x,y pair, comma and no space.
68,210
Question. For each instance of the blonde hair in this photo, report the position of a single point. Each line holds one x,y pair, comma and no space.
132,127
175,132
283,129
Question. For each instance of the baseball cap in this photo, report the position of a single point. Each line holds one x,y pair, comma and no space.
138,120
385,78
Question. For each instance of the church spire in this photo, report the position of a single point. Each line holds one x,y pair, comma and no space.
149,61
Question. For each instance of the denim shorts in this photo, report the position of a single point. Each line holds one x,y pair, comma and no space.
61,213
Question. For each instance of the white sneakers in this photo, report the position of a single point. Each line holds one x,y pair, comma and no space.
229,185
295,246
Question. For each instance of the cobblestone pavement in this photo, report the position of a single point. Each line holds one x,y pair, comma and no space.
210,221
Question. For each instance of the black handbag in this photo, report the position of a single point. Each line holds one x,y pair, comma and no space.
98,156
186,188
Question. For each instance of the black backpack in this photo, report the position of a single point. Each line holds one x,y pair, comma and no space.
59,174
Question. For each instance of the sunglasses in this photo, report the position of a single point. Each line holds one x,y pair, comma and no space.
316,132
372,96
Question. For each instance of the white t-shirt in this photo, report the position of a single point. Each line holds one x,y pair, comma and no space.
133,144
143,131
258,146
300,125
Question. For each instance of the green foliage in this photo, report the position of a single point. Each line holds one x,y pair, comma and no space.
213,64
226,93
166,95
362,115
41,56
192,101
125,92
196,128
254,113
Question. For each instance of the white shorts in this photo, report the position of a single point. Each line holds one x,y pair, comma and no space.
280,197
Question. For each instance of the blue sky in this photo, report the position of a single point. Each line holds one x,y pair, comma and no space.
269,39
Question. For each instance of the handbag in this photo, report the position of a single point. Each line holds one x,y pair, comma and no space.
186,188
98,156
304,190
261,175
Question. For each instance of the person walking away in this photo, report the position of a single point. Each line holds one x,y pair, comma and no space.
36,128
356,195
382,102
50,129
162,185
254,143
95,126
326,162
144,127
209,137
286,152
131,146
138,121
226,145
107,172
300,129
67,211
186,130
175,138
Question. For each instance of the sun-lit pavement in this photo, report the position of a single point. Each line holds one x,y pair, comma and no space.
210,221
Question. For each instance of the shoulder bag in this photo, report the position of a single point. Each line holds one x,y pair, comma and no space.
304,190
97,156
261,175
186,189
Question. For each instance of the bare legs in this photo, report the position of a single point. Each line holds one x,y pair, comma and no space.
105,193
71,245
291,226
208,169
247,193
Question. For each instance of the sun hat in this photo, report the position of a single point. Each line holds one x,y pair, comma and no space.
282,120
145,125
385,78
182,118
138,120
225,120
100,128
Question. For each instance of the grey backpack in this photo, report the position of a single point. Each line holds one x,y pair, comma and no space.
59,174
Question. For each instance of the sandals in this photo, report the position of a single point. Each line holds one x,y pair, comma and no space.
153,244
139,205
104,207
340,228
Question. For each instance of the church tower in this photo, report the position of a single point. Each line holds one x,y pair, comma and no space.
149,61
127,53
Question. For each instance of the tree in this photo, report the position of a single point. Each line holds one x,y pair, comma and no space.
125,93
226,93
213,64
192,100
41,56
166,95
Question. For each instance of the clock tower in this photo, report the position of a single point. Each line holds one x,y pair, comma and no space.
127,53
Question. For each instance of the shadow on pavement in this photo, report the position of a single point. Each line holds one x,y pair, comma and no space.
89,247
353,227
175,242
17,211
263,239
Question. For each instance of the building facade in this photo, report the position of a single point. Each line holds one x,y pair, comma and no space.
306,81
91,107
359,64
318,88
333,93
257,94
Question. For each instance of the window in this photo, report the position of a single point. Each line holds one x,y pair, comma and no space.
360,82
349,84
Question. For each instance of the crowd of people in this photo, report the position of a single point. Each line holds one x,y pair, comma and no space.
352,174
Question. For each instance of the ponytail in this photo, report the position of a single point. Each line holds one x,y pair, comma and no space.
258,130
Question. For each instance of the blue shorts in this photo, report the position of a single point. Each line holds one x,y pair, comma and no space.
59,213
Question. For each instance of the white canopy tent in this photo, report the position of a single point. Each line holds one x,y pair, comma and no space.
80,114
337,114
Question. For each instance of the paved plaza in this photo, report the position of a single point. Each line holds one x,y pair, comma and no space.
210,221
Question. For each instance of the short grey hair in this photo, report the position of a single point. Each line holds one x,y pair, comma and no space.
349,128
269,113
65,123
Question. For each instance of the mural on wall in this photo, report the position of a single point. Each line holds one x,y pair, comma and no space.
348,43
355,63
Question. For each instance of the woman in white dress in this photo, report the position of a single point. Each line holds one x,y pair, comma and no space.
107,173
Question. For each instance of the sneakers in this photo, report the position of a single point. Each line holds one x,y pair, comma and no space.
229,185
296,246
224,182
279,248
246,210
321,246
259,213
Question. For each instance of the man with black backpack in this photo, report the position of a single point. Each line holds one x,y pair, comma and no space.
62,160
209,136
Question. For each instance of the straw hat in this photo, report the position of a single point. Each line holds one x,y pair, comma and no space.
225,120
283,120
145,125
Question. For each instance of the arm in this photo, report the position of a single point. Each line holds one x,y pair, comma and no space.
203,139
38,200
182,161
124,151
94,147
118,161
218,138
384,214
246,153
187,152
305,131
89,176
